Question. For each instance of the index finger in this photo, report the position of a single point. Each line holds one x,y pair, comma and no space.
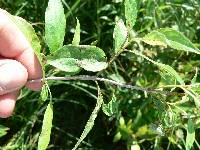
14,45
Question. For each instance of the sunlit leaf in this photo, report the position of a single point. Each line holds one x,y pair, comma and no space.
55,23
167,78
76,39
194,96
44,137
172,140
120,35
172,38
44,92
72,58
3,130
118,78
159,105
142,131
64,64
190,138
121,121
135,147
156,129
111,108
117,137
163,68
92,65
194,79
90,122
130,12
170,71
155,38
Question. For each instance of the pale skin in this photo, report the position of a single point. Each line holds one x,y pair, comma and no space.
18,64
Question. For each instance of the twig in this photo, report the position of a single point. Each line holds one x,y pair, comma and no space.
112,82
181,86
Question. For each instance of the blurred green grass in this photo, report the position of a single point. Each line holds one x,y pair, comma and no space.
74,101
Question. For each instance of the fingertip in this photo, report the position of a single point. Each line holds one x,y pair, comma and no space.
33,66
34,86
13,76
6,107
7,104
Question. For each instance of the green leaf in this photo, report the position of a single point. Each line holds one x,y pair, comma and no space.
120,35
164,68
193,95
135,147
90,122
45,92
117,137
76,39
64,64
72,58
44,137
130,12
167,78
3,130
172,38
190,138
118,78
194,79
111,108
155,38
159,105
55,23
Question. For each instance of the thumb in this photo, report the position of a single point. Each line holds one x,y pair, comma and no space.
13,76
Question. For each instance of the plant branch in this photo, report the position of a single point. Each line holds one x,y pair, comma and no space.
126,44
112,82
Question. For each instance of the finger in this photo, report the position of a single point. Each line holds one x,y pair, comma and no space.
12,40
7,104
13,44
13,76
30,61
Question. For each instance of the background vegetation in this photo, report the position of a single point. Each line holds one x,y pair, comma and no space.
150,121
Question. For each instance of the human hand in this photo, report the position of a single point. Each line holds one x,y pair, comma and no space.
18,63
